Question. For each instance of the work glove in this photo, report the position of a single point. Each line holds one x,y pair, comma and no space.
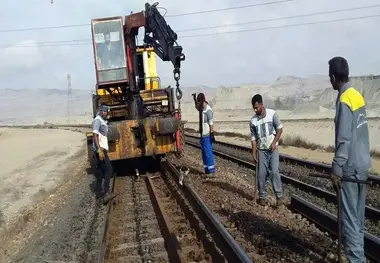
336,182
101,154
212,137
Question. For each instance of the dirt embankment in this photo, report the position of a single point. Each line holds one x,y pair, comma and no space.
47,209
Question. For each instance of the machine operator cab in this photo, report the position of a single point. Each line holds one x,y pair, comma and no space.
111,58
109,50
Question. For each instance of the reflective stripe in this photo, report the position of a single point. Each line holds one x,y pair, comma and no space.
352,98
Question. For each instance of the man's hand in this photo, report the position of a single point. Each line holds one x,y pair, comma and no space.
273,146
212,137
336,182
254,157
101,154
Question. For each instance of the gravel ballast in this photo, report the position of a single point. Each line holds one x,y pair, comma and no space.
277,234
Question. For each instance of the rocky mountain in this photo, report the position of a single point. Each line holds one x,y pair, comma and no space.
369,87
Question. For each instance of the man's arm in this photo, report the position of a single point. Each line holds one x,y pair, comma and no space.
210,122
252,129
278,127
210,118
95,131
343,139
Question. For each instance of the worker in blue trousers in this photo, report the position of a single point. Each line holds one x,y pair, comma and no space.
206,130
351,160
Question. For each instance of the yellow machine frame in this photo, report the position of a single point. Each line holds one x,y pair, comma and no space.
124,145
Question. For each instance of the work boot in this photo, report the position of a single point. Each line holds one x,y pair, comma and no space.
108,197
279,201
262,202
99,195
210,175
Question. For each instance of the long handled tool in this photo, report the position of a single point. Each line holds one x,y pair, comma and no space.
339,197
256,175
343,179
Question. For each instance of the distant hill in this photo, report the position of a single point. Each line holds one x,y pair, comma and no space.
29,105
292,96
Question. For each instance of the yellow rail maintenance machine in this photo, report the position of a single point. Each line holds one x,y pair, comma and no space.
144,119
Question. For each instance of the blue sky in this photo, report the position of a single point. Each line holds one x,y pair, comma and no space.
225,59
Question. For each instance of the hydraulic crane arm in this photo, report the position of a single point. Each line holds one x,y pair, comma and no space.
159,35
163,39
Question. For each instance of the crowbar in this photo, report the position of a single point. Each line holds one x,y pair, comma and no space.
344,179
256,175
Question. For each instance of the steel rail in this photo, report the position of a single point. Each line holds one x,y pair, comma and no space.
230,248
329,223
370,212
173,246
317,166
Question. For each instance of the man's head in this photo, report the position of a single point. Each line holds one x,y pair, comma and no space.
107,37
104,111
257,104
338,72
201,101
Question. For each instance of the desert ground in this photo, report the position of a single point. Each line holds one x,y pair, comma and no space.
45,185
44,178
320,132
33,162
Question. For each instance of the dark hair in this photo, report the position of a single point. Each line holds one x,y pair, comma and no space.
257,98
201,97
338,67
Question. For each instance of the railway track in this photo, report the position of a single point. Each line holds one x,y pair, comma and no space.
371,213
155,219
318,167
322,218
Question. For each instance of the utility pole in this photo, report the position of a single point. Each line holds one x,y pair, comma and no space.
69,98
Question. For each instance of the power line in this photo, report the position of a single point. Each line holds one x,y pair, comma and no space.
229,25
281,18
58,43
229,8
176,15
283,26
